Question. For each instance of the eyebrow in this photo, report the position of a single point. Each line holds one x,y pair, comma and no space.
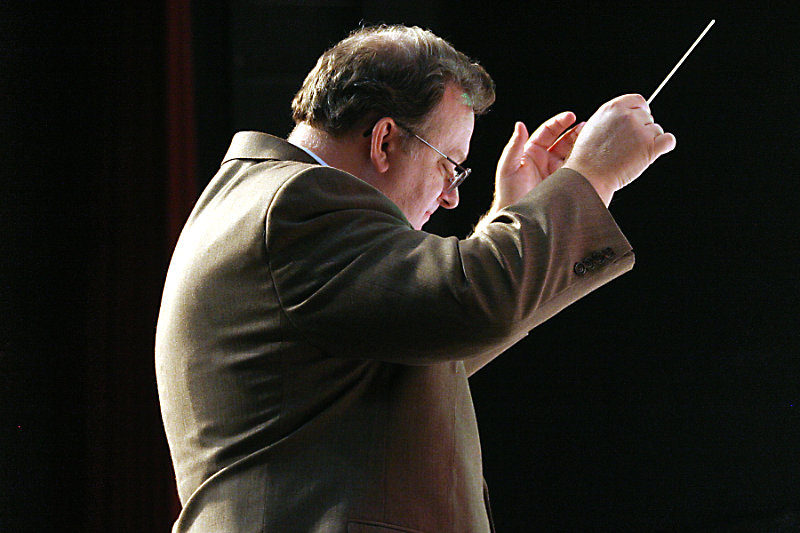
457,156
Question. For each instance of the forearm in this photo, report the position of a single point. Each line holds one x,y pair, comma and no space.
576,226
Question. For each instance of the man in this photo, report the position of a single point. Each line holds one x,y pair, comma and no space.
314,345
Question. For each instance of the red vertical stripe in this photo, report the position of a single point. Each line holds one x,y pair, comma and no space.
181,137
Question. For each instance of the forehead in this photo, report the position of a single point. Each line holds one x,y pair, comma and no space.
453,123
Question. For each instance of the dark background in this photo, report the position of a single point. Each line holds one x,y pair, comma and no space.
668,400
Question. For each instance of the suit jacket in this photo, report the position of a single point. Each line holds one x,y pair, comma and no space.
313,349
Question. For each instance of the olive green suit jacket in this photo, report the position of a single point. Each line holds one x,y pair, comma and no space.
313,350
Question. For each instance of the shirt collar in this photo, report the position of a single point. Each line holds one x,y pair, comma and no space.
312,154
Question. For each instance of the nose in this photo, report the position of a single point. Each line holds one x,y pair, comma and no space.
449,200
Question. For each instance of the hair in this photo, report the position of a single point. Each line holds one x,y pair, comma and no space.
387,71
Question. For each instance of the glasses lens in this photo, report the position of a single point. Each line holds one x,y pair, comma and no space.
459,178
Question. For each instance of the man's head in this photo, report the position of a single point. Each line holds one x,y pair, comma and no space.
387,71
370,97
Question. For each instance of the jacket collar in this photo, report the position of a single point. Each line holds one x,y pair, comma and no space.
257,145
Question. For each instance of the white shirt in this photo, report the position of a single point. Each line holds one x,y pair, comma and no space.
312,154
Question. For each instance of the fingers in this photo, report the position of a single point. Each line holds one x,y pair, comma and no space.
516,144
563,145
630,101
514,149
664,143
618,143
547,134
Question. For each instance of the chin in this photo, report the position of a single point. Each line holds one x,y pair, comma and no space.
425,218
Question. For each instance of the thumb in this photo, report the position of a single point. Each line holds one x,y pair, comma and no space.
665,143
513,151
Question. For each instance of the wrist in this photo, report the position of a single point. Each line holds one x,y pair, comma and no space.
604,191
603,187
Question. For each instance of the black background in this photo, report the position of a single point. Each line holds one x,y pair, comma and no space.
666,401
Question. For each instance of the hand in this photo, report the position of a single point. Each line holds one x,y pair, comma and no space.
617,144
527,160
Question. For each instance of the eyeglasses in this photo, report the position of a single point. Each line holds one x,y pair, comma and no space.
461,172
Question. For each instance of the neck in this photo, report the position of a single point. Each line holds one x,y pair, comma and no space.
347,153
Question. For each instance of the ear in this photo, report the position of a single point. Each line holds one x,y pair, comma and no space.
384,136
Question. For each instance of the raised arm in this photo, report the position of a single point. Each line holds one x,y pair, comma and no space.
617,144
528,159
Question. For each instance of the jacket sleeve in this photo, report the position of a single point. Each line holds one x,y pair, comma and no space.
356,280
